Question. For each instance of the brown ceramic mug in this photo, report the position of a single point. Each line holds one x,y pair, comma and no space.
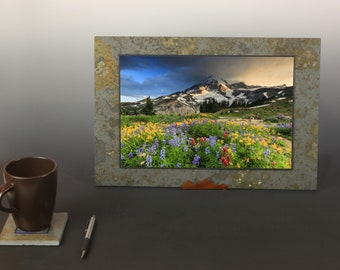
30,187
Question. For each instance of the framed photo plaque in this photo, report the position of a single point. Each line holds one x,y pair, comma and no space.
238,111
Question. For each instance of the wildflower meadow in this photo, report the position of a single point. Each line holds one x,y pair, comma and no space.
202,141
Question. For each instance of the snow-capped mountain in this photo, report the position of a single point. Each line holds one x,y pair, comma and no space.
231,94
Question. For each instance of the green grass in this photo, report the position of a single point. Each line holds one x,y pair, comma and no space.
282,107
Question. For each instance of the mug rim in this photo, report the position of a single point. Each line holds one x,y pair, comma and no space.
4,169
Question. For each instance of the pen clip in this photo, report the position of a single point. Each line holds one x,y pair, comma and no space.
87,225
90,226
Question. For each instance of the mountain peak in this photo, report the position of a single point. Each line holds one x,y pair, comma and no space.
215,83
209,84
212,79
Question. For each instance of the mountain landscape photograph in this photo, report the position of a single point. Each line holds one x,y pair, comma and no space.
206,112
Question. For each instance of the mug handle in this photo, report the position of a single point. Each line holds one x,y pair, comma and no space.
3,190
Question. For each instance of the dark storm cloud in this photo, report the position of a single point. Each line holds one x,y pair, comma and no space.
191,68
158,75
163,73
155,76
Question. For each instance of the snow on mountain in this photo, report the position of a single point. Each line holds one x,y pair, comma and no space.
200,98
232,93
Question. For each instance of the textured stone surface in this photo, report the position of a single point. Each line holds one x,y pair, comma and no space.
306,86
9,237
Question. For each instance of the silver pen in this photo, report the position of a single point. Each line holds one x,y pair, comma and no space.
86,242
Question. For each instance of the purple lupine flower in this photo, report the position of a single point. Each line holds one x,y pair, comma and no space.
148,161
173,129
266,153
162,154
183,138
233,147
130,155
139,151
212,140
172,142
196,160
207,150
175,141
184,126
285,125
152,149
167,132
156,143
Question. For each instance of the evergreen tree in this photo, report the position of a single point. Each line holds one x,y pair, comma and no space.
148,108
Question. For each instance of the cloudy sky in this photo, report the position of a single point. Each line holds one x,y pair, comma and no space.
143,76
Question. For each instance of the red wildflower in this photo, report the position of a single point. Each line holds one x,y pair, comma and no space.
225,162
202,140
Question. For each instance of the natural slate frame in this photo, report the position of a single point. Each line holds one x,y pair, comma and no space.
306,53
